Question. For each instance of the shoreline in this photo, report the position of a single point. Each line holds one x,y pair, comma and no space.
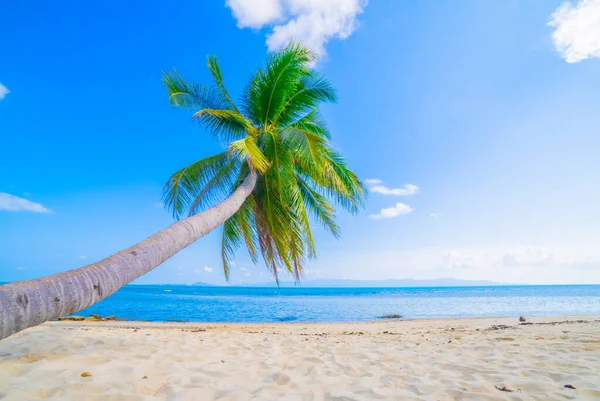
408,359
103,322
505,320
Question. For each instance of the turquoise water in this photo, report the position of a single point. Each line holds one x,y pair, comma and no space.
245,304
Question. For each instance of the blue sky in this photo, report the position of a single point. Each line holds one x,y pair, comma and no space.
480,121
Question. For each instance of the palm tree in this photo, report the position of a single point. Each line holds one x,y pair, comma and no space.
278,175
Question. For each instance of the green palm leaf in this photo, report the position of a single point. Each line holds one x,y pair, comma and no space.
183,187
215,71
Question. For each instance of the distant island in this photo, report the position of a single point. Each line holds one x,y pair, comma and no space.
201,284
334,283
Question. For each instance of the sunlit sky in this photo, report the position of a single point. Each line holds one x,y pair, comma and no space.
476,124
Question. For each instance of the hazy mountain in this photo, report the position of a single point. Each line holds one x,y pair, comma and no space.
327,283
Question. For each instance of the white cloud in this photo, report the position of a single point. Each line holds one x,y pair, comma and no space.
82,257
312,22
20,268
435,215
408,189
208,269
248,274
13,203
3,91
391,212
577,33
197,271
243,269
255,14
376,186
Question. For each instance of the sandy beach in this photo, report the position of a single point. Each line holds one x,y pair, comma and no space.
444,359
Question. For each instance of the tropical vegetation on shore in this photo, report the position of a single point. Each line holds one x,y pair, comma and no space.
278,174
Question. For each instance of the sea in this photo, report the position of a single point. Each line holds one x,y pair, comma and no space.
161,303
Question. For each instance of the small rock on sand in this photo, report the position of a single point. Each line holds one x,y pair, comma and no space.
86,374
392,316
522,319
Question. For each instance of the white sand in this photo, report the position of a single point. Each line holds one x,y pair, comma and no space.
446,359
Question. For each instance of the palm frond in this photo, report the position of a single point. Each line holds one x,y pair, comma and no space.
246,150
303,145
224,124
276,82
216,111
313,122
236,229
310,91
215,71
319,207
183,187
192,96
349,190
221,185
250,106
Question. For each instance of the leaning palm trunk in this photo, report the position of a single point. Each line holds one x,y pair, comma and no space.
28,303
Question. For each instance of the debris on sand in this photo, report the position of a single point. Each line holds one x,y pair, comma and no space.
505,389
392,316
72,318
556,323
498,327
572,387
93,318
